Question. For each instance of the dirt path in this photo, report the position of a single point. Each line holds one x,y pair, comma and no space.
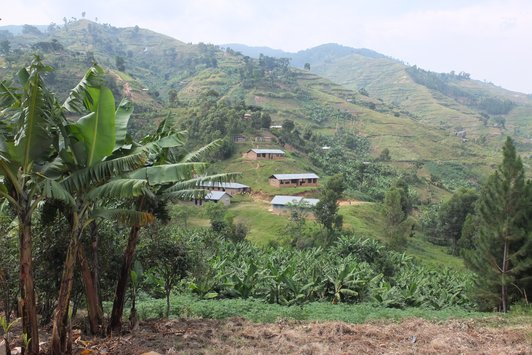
238,336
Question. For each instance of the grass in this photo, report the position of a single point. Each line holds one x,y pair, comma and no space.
189,306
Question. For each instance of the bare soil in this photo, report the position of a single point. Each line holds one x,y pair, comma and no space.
238,336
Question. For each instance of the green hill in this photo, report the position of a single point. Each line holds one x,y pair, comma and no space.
219,93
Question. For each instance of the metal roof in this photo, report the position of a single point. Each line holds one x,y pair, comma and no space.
284,200
225,185
270,151
295,176
215,195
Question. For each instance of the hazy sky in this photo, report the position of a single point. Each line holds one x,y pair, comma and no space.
491,39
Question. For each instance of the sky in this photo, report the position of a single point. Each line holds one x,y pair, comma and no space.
490,39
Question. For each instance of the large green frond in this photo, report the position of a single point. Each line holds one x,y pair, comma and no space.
205,149
198,181
53,189
186,194
85,178
125,216
118,188
80,98
168,173
123,113
33,138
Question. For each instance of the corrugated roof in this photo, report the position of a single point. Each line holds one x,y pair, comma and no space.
284,200
295,176
215,195
270,151
225,185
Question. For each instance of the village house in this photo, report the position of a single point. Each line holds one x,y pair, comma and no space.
264,139
239,139
264,154
232,188
282,203
293,180
216,197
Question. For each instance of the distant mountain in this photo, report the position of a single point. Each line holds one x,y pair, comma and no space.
254,52
17,29
413,114
451,101
314,56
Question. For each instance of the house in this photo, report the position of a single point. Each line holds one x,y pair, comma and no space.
214,196
293,180
264,139
232,188
283,203
239,139
264,154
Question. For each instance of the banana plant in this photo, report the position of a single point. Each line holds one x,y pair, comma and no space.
170,175
91,171
28,142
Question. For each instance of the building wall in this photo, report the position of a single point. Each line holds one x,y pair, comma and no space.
254,156
292,183
226,200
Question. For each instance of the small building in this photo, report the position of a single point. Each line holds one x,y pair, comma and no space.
232,188
264,139
215,196
294,180
247,116
283,203
239,139
264,154
276,127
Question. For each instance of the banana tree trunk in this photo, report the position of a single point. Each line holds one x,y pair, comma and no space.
95,238
95,313
115,324
29,310
59,339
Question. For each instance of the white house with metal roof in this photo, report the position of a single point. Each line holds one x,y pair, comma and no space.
293,180
215,196
231,188
264,154
283,203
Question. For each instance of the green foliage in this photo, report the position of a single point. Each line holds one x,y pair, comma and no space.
164,257
352,270
326,210
502,247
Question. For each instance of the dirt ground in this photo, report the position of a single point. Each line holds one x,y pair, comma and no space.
238,336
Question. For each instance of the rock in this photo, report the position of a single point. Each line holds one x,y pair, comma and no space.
3,347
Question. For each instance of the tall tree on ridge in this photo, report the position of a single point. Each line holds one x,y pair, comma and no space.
503,246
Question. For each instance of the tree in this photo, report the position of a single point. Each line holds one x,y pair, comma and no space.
326,210
307,66
165,257
394,216
503,245
27,141
120,63
172,96
5,47
452,216
385,155
92,163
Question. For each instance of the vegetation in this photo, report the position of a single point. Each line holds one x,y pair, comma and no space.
501,254
79,175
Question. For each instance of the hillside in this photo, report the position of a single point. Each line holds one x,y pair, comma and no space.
161,74
452,102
